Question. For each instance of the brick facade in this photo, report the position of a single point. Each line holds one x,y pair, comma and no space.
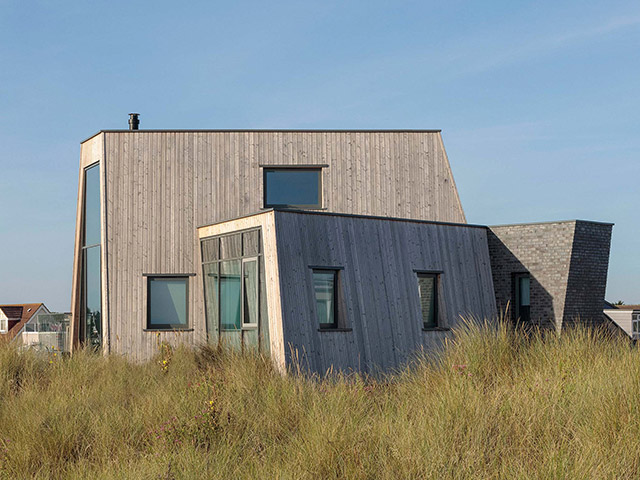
567,262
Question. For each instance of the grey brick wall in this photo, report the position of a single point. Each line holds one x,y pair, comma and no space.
587,274
567,262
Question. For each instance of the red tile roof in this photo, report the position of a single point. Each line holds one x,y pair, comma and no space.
18,315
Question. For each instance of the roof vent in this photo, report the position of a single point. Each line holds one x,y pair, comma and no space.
133,121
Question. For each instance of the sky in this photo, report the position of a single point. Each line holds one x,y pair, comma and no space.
538,102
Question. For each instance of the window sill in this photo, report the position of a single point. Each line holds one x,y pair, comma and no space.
167,330
335,329
436,329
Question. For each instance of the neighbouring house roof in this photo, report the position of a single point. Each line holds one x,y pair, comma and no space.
18,316
627,307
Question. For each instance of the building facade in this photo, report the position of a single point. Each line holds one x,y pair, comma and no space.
342,248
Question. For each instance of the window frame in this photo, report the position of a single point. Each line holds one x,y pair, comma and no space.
5,322
219,260
84,337
339,320
292,168
517,314
436,275
167,327
243,324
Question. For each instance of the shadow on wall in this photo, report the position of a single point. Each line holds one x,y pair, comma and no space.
505,268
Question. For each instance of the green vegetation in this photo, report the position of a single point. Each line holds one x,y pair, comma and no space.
494,404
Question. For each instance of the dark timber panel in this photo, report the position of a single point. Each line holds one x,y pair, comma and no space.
381,304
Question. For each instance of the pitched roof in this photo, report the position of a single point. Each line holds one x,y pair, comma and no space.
20,312
627,307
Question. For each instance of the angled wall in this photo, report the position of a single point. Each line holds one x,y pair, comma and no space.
378,259
567,262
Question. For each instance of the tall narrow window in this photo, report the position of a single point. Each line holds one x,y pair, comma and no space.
428,294
91,289
325,287
250,292
167,299
292,187
523,297
230,295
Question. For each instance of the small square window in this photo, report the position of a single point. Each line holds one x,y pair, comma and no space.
4,325
292,187
325,284
167,300
428,294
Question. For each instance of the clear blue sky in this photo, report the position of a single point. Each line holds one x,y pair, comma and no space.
539,102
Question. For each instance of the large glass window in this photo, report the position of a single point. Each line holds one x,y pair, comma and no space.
231,268
428,293
523,297
167,300
294,187
325,288
91,288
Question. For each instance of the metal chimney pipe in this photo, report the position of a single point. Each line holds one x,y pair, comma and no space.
133,121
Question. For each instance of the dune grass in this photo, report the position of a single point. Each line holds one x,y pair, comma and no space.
494,404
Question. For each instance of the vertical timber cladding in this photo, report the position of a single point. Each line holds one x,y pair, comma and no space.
161,185
568,263
378,298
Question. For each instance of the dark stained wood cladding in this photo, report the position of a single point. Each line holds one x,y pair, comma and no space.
161,185
378,261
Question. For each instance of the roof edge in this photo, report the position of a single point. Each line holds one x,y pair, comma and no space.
350,215
266,130
549,222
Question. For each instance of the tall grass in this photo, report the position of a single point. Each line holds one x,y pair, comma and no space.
494,404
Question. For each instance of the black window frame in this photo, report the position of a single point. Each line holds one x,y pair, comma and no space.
517,313
85,338
436,275
292,168
167,327
339,323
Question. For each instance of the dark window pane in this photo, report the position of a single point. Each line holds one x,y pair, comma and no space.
210,249
251,243
324,283
427,290
250,292
92,205
92,322
230,299
211,296
294,187
167,302
523,297
231,246
524,291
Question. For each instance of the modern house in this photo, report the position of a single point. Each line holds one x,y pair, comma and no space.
342,248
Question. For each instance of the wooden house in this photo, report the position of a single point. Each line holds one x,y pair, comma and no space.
345,248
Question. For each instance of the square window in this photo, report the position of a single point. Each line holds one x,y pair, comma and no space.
325,291
4,325
292,187
167,299
428,294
